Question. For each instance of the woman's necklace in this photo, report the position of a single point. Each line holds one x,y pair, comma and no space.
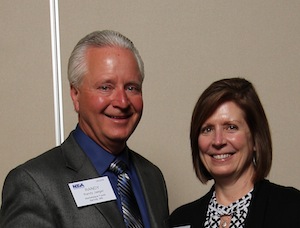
224,224
225,221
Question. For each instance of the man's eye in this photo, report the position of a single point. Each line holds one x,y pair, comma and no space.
103,88
134,88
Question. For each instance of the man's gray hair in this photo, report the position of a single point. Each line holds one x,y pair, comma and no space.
107,38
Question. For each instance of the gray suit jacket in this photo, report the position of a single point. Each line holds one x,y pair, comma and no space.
36,193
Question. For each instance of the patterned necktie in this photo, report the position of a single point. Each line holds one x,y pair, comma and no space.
130,208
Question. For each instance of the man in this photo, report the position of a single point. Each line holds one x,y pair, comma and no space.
60,188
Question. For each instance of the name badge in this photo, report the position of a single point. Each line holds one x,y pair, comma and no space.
92,191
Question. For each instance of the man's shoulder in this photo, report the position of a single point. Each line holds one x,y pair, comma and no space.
146,169
141,161
43,161
46,161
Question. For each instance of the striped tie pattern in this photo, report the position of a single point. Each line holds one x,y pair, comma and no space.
130,209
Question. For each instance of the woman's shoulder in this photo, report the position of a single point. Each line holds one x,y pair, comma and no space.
189,207
191,213
285,192
274,205
280,192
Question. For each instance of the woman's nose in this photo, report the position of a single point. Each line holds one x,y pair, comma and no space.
219,139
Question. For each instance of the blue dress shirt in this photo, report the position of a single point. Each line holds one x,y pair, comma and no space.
101,159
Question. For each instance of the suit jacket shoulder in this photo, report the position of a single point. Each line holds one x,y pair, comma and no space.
36,193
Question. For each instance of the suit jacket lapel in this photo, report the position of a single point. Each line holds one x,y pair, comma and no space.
152,189
77,160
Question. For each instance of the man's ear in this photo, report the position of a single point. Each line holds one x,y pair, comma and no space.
74,92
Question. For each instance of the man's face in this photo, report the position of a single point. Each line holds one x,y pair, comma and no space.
109,100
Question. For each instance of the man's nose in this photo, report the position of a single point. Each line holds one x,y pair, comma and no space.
120,99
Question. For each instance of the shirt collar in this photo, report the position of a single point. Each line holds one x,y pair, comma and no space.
100,158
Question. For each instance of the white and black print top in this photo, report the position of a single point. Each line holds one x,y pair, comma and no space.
237,210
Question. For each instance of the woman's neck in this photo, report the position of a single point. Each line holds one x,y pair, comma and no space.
229,190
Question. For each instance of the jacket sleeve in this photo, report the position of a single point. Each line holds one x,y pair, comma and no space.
23,203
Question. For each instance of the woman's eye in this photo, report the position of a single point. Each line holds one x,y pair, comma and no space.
232,127
206,130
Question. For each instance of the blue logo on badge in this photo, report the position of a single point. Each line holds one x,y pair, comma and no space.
78,185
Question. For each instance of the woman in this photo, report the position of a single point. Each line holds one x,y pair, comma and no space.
231,145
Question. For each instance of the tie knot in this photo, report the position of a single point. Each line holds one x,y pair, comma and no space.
118,167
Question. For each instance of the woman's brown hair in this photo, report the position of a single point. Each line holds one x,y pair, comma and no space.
243,93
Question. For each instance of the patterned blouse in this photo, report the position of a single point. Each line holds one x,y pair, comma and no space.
238,211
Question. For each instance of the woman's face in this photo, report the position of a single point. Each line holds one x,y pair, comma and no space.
226,145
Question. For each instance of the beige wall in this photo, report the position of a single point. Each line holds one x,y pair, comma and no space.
26,92
186,45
